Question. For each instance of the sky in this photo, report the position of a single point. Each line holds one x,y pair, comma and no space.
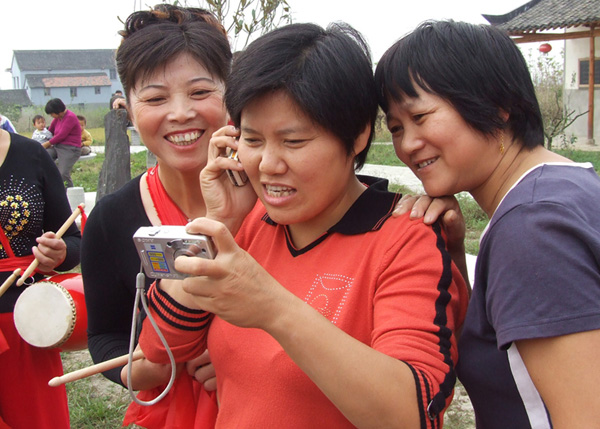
82,24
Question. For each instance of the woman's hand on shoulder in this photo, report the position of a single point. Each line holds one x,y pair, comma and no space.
225,202
445,209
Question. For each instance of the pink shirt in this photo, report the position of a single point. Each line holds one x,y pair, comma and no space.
66,130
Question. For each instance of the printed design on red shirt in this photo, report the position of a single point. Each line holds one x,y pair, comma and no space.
328,294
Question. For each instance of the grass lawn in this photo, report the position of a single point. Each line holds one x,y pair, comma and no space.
86,173
383,154
582,156
97,135
94,402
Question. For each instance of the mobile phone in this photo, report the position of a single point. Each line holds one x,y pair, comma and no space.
238,178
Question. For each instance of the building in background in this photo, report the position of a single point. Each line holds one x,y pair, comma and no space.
15,97
78,77
576,23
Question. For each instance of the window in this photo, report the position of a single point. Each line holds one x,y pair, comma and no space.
73,92
584,72
97,90
47,91
113,74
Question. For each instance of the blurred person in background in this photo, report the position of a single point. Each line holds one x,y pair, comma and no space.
65,144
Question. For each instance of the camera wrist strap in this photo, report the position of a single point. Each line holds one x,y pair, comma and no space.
140,295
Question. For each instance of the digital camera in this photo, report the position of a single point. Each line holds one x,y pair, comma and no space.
159,246
238,178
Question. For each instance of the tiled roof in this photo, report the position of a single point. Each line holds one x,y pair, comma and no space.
67,80
15,96
540,15
84,59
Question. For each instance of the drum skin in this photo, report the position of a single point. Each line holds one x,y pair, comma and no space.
51,313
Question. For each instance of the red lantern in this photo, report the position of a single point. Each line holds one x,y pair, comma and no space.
545,48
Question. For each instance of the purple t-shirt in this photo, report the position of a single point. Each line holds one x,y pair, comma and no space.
537,275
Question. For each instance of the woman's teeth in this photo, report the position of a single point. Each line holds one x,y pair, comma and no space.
278,191
426,163
184,139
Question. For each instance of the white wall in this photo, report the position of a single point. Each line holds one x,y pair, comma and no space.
576,97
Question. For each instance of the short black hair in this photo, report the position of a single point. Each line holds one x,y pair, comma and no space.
55,106
36,117
154,38
81,118
327,72
476,68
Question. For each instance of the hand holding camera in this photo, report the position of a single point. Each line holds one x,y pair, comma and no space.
232,286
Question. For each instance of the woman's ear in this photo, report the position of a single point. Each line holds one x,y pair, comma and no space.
361,141
134,124
504,115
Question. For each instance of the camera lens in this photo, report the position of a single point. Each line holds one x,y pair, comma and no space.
193,249
189,249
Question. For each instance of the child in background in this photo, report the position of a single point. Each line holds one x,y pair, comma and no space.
86,137
41,134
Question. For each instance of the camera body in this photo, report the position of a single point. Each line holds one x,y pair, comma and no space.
159,246
238,178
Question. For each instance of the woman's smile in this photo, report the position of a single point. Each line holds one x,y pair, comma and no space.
184,139
423,164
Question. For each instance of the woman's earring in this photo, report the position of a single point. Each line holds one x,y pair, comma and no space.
502,144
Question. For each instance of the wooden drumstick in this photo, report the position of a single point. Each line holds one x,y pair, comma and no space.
94,369
9,281
31,268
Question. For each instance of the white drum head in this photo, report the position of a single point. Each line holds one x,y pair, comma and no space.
45,314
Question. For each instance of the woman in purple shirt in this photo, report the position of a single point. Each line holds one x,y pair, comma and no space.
66,143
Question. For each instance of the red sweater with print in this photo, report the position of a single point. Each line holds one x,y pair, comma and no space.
388,282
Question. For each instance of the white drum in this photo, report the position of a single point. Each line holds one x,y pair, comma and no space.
51,313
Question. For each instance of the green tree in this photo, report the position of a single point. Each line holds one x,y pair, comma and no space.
548,78
11,111
244,19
